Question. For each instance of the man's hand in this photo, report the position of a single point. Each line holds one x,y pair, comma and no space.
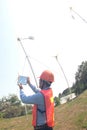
20,86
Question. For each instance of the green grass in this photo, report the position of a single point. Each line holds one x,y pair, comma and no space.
69,116
18,123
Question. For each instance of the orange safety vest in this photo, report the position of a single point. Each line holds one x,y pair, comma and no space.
49,105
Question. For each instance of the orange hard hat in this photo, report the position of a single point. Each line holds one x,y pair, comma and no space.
47,76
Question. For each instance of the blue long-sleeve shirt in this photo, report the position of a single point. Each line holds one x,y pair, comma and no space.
38,99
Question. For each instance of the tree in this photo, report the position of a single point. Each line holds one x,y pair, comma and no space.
60,95
66,92
11,107
13,100
81,78
57,101
80,83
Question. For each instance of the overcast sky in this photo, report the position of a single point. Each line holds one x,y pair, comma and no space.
56,29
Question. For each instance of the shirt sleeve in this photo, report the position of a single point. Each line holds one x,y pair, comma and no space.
36,90
36,98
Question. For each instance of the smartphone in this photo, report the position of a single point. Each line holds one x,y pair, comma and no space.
22,80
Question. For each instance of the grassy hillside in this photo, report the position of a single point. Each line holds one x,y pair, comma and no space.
69,116
72,115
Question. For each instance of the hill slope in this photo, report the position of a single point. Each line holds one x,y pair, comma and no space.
69,116
72,115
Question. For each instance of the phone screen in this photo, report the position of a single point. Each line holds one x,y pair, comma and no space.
22,80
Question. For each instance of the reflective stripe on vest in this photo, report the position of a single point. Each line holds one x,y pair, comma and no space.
49,105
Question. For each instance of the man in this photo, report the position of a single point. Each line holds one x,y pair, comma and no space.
43,109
